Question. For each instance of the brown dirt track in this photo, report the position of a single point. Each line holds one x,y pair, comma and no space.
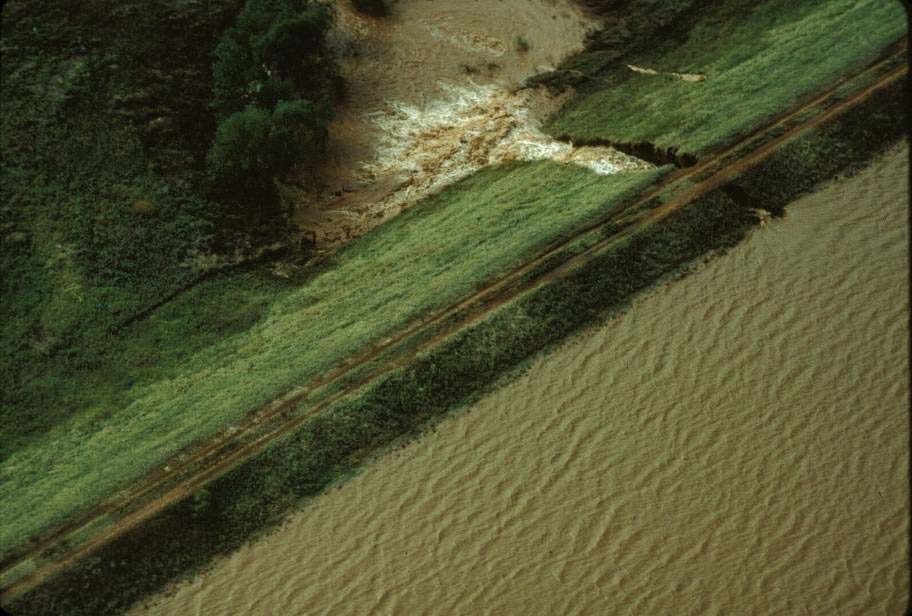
202,463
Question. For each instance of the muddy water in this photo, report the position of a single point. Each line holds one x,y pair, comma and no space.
735,443
433,95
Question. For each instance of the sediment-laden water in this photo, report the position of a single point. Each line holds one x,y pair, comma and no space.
735,443
433,94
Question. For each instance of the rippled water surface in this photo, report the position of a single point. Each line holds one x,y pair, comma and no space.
735,443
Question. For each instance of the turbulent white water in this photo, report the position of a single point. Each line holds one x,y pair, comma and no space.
474,126
434,94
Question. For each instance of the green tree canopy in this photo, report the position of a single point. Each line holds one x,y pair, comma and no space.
253,147
241,144
268,69
290,41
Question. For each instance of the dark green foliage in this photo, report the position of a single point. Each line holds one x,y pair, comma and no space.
268,73
302,115
290,41
800,164
233,72
241,145
259,494
299,131
274,90
275,51
202,501
255,145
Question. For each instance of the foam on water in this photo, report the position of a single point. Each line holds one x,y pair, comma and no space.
430,96
471,127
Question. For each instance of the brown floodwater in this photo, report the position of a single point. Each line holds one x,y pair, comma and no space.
434,93
734,443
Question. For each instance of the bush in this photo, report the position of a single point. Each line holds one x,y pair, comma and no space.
274,90
232,73
240,144
255,146
202,501
288,42
301,124
256,143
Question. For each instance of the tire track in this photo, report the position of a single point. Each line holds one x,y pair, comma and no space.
492,296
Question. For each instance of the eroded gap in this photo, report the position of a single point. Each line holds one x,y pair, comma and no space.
643,150
436,94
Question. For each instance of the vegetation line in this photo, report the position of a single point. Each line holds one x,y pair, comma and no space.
563,269
644,150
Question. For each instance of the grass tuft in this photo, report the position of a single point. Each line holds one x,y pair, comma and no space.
759,59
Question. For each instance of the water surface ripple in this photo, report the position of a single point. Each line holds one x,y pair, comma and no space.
735,443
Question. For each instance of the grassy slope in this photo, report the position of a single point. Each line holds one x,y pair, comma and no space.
104,130
257,495
431,255
758,58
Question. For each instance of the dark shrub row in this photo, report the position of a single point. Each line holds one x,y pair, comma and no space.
258,495
838,147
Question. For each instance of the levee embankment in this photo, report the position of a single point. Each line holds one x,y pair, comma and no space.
579,283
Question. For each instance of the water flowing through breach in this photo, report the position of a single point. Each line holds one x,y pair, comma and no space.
428,148
435,95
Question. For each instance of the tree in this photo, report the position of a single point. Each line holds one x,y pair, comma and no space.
233,72
273,90
240,147
255,146
288,42
266,67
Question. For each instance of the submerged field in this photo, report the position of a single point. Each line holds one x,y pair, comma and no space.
108,405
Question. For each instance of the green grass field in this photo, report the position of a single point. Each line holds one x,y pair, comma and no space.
329,447
433,254
92,406
759,59
258,494
103,129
